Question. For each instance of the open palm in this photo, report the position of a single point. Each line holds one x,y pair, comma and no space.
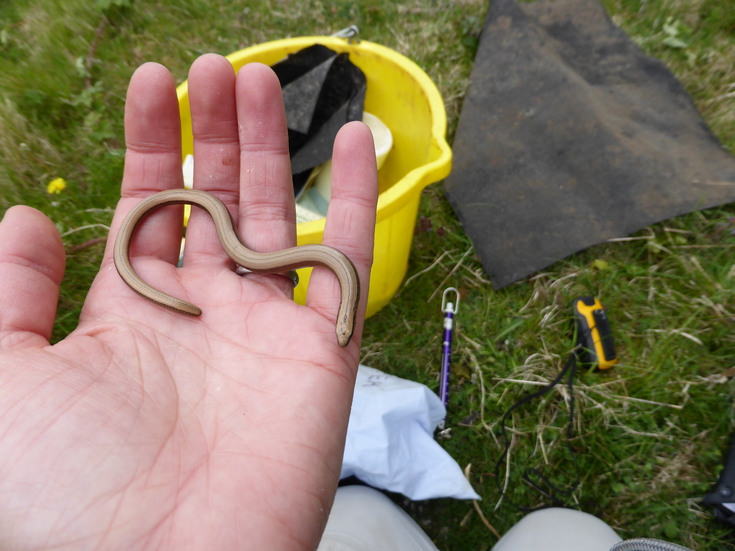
148,429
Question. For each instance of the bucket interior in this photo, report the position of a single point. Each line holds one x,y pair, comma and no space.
393,95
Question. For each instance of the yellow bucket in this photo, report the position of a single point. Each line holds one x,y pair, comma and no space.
407,101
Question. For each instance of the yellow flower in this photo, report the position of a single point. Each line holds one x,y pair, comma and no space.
600,265
57,185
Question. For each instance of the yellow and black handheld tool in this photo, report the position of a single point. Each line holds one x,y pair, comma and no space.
594,337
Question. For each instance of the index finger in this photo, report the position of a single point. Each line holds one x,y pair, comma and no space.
152,160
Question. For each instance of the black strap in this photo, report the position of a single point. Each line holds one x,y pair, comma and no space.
550,490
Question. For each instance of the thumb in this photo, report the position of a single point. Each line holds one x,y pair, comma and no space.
32,262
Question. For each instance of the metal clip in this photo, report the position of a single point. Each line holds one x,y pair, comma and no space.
351,33
448,306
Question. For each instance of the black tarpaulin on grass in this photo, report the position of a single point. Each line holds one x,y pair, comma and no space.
570,136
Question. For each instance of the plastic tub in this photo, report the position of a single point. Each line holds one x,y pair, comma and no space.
408,102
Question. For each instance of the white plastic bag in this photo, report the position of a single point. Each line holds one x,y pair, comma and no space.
390,443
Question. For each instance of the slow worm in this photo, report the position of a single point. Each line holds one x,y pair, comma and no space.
276,262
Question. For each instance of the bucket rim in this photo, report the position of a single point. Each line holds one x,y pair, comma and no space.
394,198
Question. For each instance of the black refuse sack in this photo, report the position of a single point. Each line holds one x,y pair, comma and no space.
322,91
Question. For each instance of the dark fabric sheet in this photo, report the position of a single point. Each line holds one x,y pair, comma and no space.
570,136
322,91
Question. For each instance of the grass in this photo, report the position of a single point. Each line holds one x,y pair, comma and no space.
649,434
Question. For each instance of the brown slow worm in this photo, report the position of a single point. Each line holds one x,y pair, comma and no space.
276,262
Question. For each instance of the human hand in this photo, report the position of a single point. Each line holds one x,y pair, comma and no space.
148,429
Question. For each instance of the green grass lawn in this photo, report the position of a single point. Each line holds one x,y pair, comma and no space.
649,434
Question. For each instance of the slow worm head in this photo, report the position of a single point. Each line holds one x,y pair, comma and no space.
277,262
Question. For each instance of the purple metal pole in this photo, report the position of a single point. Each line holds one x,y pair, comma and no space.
449,310
446,354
